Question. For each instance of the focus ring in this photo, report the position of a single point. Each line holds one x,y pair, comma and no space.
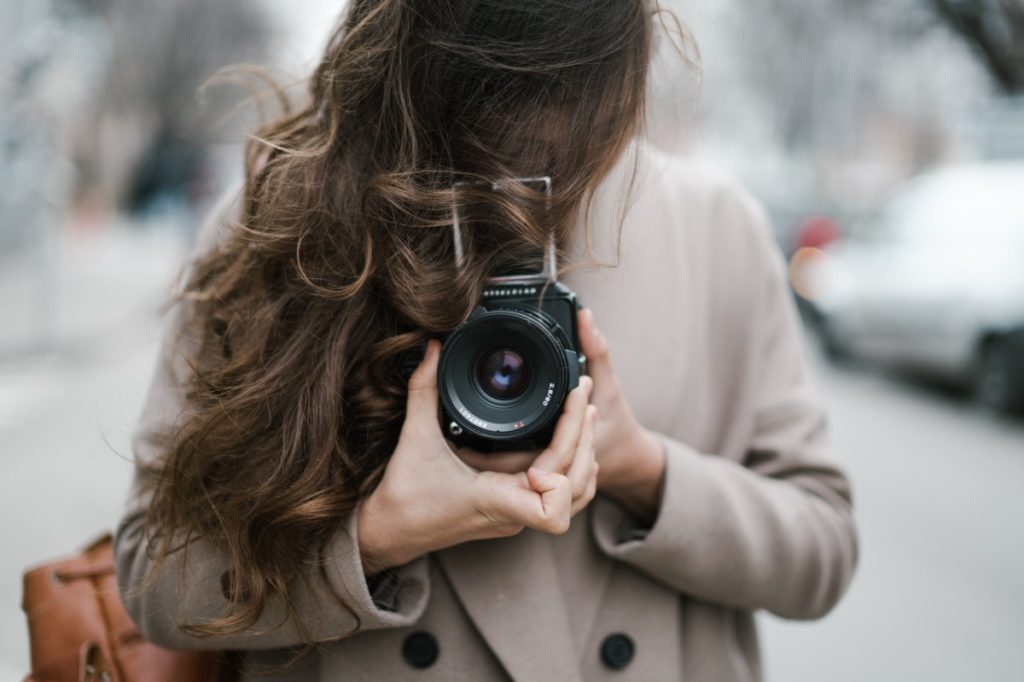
482,413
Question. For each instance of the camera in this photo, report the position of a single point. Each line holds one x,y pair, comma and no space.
504,373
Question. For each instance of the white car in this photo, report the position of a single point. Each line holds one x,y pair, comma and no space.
935,281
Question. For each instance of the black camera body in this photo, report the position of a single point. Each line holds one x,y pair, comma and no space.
505,372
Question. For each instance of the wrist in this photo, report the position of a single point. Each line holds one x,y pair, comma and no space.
383,542
637,486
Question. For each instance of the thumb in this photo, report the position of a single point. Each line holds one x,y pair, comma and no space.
595,347
555,492
421,404
536,499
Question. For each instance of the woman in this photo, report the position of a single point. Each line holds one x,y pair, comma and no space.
293,489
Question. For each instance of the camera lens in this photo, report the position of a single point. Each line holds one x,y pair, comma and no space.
504,374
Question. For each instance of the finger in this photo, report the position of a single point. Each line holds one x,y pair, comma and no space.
583,461
508,501
595,347
421,404
558,455
581,502
555,501
502,462
536,499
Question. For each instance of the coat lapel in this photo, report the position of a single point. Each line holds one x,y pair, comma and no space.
511,590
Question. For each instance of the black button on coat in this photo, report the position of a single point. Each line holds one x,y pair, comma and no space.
420,649
617,650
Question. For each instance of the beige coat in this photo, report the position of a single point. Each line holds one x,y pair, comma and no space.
755,514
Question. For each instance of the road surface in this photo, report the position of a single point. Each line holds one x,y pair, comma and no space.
939,494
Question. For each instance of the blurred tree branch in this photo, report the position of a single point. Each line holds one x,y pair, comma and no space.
995,29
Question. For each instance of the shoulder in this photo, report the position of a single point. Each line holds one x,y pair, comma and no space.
711,198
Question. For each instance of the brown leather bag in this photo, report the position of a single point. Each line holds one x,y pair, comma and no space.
79,630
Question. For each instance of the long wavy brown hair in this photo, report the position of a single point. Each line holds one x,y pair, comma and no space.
342,261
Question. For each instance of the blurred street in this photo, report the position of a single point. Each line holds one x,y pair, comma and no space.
938,489
939,588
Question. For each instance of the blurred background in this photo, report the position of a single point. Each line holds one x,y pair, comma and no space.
886,138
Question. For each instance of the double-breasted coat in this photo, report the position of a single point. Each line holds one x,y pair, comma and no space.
755,511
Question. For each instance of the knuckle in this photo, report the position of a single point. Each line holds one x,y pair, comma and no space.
560,526
579,489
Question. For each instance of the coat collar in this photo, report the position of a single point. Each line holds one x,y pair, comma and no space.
510,588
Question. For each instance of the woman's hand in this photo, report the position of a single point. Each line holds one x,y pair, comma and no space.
632,459
430,499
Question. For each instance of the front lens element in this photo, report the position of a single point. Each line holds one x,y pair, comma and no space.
504,374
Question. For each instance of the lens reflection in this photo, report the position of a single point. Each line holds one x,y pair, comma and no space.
504,374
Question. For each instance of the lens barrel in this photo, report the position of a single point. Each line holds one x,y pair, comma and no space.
503,376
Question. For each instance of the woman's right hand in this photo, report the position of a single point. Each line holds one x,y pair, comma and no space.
430,499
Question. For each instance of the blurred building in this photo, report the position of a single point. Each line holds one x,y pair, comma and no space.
51,57
106,123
